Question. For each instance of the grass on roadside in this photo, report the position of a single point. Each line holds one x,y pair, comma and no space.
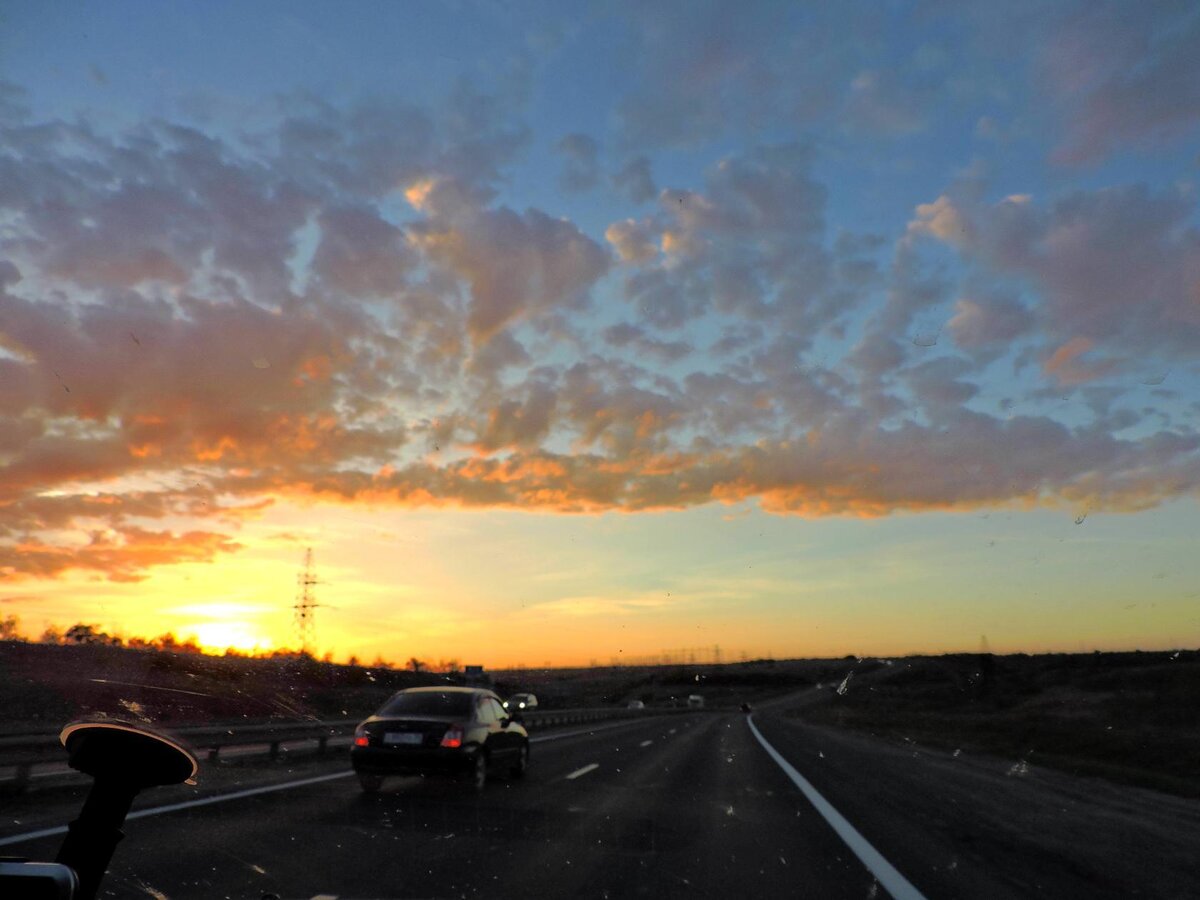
1129,717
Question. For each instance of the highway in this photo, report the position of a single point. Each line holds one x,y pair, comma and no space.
687,805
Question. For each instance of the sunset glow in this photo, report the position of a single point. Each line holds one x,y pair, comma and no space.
215,637
557,342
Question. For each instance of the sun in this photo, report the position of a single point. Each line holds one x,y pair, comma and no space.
221,636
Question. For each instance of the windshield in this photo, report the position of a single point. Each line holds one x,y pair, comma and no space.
787,414
428,703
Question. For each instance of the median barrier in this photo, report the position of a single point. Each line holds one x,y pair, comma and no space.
22,755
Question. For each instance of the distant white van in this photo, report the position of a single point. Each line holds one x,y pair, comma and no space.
695,701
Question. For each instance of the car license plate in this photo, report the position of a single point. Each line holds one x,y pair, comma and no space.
403,737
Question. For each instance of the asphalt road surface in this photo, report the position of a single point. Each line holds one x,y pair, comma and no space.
687,805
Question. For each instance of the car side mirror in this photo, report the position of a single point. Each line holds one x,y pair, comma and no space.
504,723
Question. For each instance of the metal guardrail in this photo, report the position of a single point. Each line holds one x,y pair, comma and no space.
24,752
533,719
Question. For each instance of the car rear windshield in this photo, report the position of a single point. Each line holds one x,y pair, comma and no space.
428,703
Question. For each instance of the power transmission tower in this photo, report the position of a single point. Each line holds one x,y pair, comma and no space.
306,604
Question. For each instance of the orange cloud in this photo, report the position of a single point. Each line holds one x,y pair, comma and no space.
1066,366
122,556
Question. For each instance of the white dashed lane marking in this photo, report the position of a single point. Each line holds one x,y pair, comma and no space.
590,767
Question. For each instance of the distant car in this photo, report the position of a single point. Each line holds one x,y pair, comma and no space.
636,704
518,702
695,701
439,730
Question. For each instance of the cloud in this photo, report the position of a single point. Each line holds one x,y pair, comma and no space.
341,307
1122,76
515,264
626,334
635,180
731,405
361,254
705,69
635,242
704,72
749,245
370,148
209,381
982,324
581,162
1118,266
500,353
590,606
939,387
1067,366
940,219
152,209
846,468
913,289
120,556
690,62
516,423
1099,76
879,103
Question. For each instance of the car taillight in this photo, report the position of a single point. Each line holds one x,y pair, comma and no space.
361,739
453,736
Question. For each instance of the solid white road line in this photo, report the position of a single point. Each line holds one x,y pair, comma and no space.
885,873
33,835
590,767
187,804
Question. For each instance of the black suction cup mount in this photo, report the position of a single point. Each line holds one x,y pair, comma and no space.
123,759
138,757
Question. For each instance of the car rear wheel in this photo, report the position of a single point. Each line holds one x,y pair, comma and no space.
522,763
370,783
478,771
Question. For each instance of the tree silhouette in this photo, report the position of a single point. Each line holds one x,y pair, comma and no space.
81,633
9,626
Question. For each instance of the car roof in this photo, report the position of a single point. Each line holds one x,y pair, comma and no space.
448,689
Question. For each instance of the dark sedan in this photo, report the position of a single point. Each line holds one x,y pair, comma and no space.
439,730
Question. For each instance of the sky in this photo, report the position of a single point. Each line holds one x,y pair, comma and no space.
569,332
